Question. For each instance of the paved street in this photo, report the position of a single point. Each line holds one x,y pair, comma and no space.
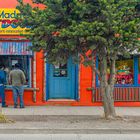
69,137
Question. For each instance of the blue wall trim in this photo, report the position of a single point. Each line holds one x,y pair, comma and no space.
47,81
76,81
136,71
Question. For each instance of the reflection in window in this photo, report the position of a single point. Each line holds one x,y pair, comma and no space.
60,70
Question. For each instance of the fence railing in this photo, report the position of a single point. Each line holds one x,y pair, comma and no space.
126,94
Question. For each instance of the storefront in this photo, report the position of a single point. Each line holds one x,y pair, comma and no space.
61,84
45,83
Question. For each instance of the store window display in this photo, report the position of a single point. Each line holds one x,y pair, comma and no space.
127,71
124,71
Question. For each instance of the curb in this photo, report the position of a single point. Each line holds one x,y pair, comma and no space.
68,131
46,117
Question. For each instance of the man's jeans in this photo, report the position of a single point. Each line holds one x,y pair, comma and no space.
2,94
18,91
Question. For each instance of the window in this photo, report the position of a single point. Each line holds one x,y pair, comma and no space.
127,71
60,70
24,61
124,71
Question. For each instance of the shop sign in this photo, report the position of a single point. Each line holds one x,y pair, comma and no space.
7,22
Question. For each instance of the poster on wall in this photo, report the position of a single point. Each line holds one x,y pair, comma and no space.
14,62
7,23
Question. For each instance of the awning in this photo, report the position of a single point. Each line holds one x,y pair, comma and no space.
15,48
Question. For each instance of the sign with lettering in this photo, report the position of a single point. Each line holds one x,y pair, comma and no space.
7,23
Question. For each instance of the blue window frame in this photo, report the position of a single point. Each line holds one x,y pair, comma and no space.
138,70
24,62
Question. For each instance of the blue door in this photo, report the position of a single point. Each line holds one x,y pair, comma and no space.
62,81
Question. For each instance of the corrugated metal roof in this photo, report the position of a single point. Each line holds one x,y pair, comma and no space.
15,48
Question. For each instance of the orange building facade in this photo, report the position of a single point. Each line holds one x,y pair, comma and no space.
43,80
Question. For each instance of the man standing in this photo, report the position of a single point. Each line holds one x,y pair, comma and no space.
17,79
2,85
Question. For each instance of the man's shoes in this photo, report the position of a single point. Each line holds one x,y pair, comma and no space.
15,105
4,105
22,107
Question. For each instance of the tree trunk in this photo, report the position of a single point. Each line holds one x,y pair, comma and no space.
110,101
107,91
111,86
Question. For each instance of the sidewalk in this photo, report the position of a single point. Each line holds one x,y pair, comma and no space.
70,120
68,110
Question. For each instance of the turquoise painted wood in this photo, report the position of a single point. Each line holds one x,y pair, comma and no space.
62,86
